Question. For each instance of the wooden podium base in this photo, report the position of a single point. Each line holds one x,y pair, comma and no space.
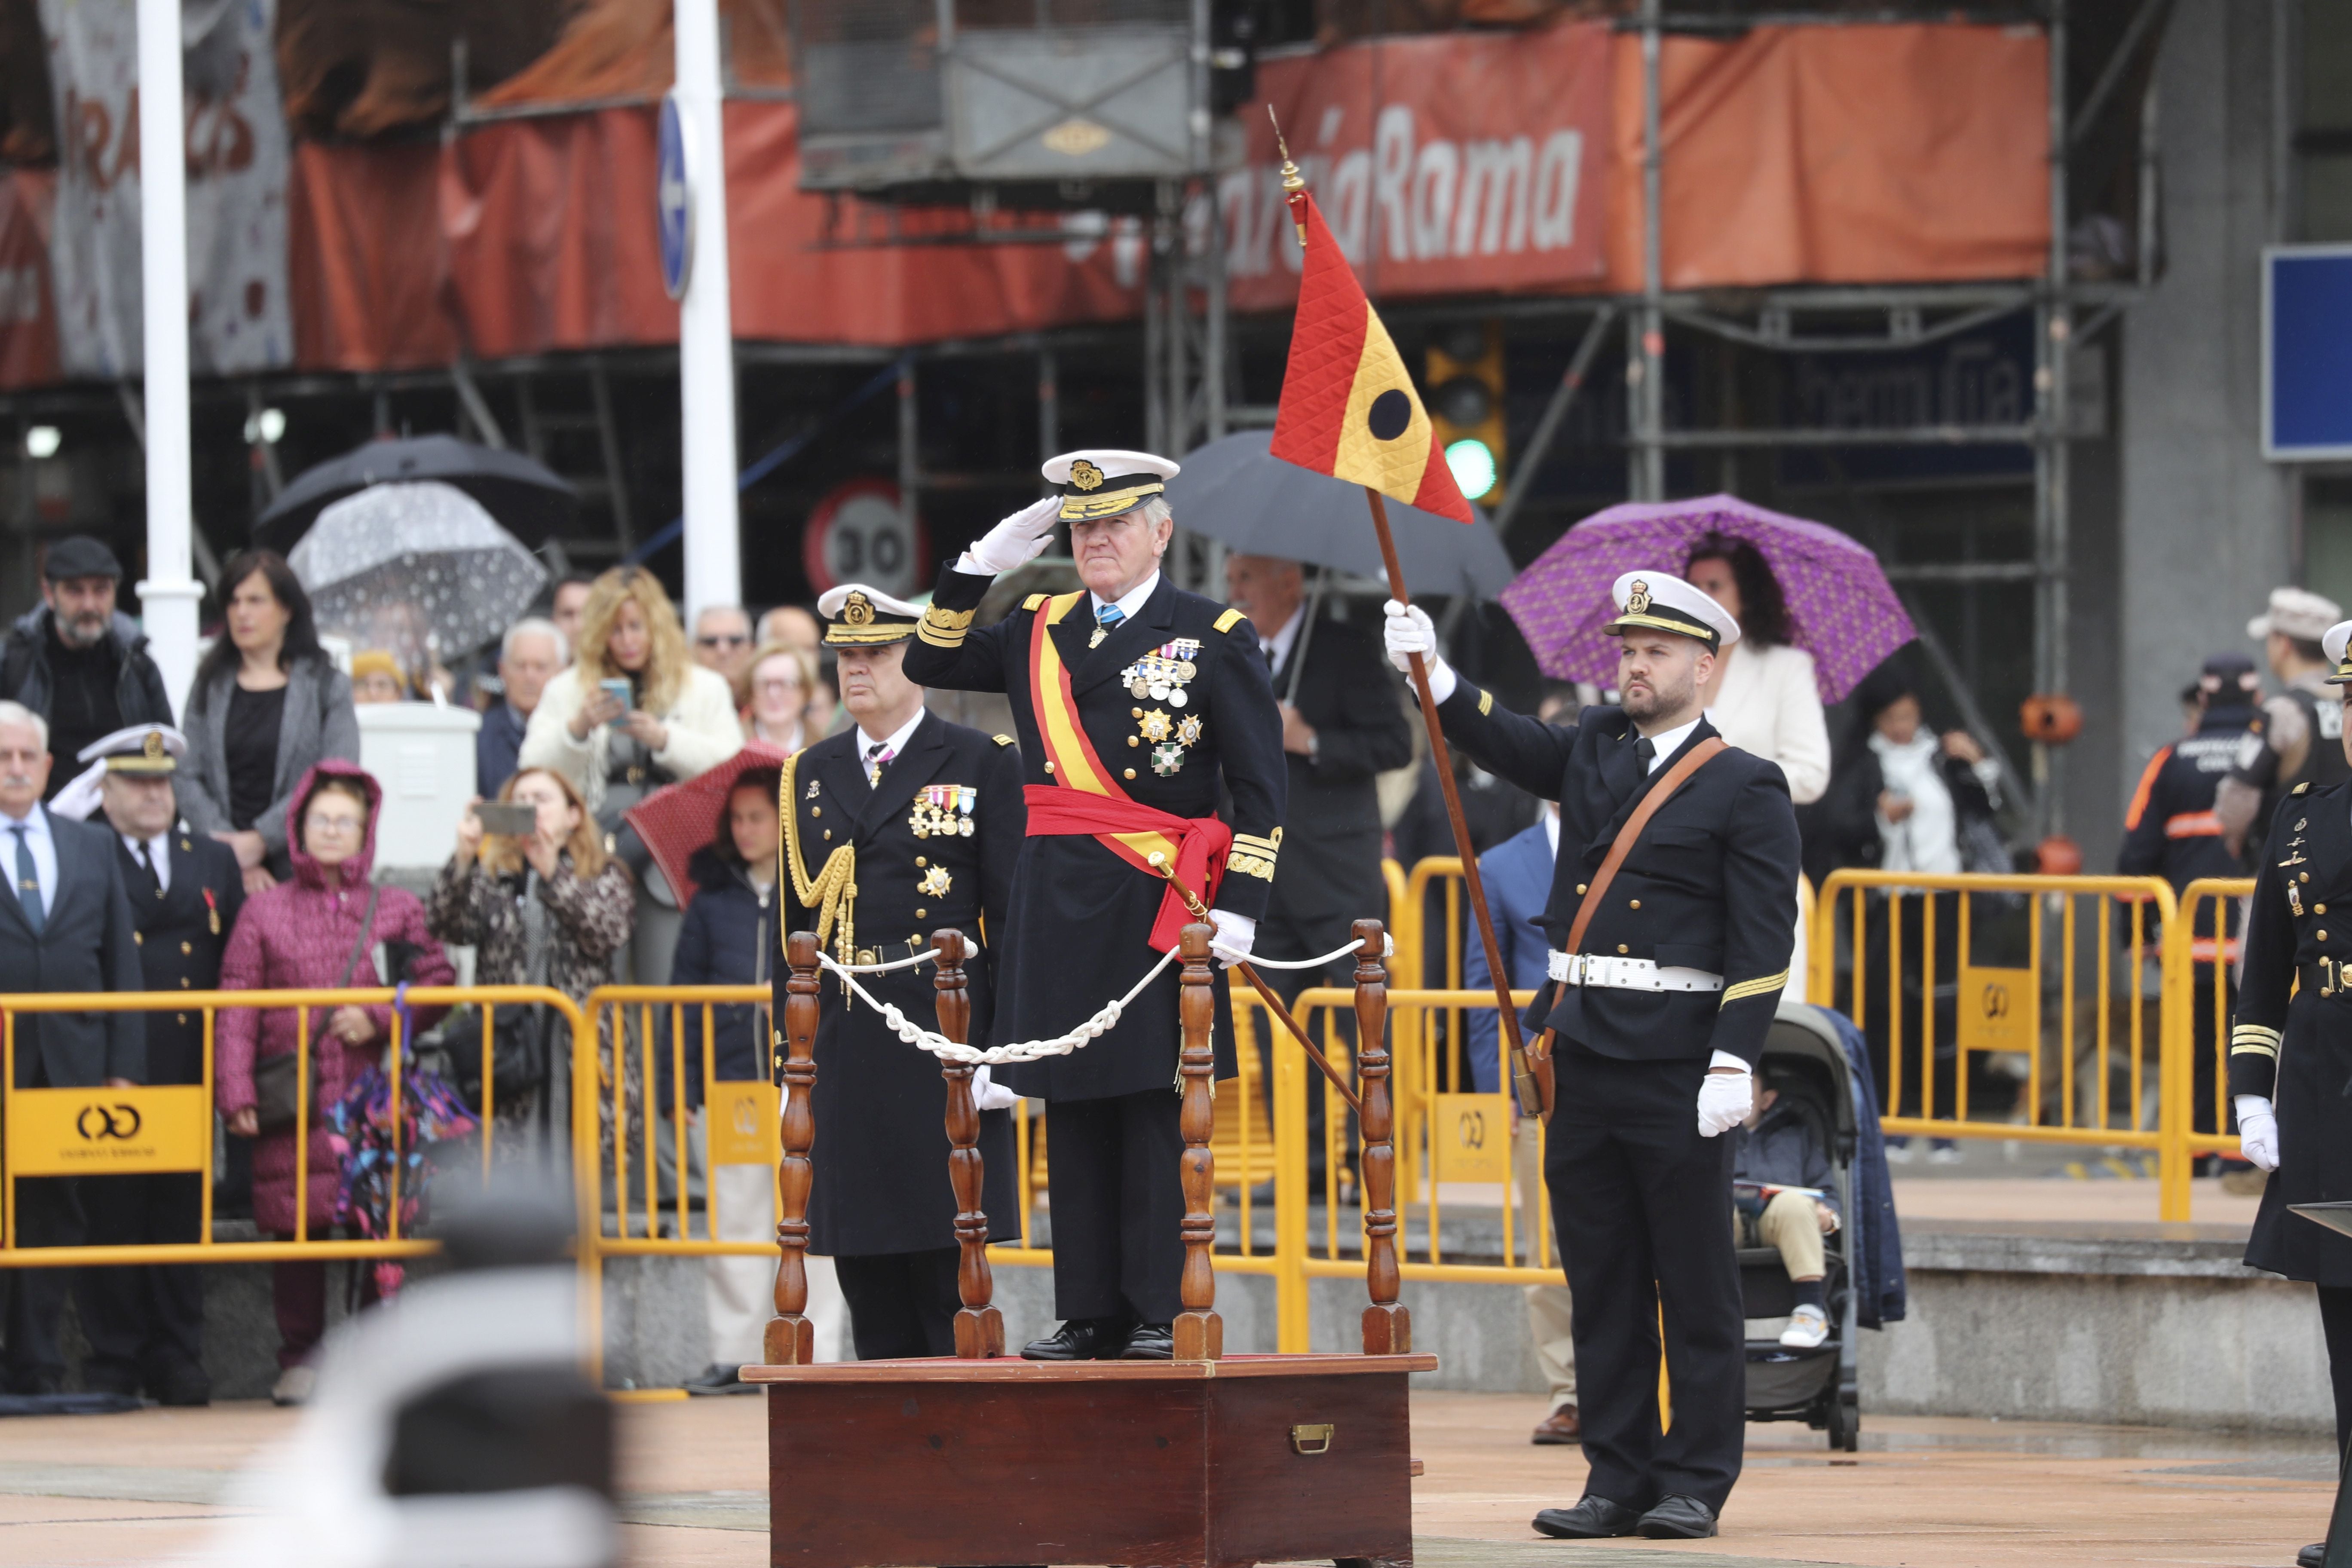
1173,1463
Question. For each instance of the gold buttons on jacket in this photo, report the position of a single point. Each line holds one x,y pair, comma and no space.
918,915
1135,739
140,937
1633,903
1580,886
816,811
2323,936
187,947
184,983
1049,767
2319,909
1623,948
828,833
921,861
1130,773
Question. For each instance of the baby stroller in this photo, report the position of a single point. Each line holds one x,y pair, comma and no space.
1817,1386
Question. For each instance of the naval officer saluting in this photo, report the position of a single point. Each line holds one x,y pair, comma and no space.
898,826
2291,1046
1135,702
1665,970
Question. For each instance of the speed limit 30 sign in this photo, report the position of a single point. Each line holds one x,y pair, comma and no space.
860,533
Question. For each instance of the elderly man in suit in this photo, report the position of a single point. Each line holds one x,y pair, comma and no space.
65,925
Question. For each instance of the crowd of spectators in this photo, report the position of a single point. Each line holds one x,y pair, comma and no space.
255,838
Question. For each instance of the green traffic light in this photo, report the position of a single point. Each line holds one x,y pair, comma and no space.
1473,462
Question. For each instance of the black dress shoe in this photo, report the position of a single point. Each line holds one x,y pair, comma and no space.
36,1383
2311,1556
183,1387
1593,1519
1678,1519
110,1379
1081,1339
1150,1342
720,1379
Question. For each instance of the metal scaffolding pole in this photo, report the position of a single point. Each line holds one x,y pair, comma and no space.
2052,464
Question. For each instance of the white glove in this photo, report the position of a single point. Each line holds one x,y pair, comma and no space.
989,1095
1015,541
1409,632
2258,1136
1725,1099
1237,931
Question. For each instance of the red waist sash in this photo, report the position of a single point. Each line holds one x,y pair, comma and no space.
1202,844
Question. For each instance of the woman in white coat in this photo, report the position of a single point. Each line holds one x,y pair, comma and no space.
1763,698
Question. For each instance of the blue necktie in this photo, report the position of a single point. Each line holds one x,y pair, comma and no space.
28,882
1106,618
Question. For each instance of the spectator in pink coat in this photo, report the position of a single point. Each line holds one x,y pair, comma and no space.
301,934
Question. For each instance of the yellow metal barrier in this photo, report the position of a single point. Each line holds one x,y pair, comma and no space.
2192,977
187,1142
2108,1042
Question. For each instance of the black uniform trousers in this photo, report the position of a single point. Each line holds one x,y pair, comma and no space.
1114,1169
144,1323
901,1303
1640,1205
49,1213
2336,1319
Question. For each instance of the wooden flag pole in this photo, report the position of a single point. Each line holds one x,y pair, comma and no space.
1523,1079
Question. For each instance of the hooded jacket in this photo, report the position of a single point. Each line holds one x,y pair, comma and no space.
300,934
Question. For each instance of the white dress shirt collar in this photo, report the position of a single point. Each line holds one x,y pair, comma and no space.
1277,647
158,851
41,840
895,742
1129,602
1551,826
1670,743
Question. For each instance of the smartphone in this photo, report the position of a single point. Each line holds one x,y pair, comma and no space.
507,821
620,688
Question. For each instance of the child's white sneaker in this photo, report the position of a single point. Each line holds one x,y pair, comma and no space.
1807,1327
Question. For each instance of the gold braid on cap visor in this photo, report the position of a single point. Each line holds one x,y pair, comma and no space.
1690,628
1110,503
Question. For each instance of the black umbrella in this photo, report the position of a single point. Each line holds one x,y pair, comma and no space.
1237,491
528,499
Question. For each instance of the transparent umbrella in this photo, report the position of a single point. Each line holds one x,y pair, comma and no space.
417,569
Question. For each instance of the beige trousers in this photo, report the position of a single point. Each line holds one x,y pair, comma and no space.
738,1293
1549,1322
1791,1224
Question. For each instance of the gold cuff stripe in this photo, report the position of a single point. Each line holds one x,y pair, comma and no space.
940,639
1250,866
1747,988
1251,841
1486,702
2256,1048
943,628
2254,1034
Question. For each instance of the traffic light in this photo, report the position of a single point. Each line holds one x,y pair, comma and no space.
1464,374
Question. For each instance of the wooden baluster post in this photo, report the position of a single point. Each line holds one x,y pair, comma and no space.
979,1326
1388,1325
790,1338
1199,1333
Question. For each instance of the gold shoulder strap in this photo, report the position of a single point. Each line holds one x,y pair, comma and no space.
834,892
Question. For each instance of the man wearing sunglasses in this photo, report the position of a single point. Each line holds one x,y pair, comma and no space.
722,641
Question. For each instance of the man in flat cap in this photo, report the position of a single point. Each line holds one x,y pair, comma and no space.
900,825
1667,964
2298,739
1137,705
145,1322
75,660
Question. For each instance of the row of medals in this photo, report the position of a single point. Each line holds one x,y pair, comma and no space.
1162,676
943,811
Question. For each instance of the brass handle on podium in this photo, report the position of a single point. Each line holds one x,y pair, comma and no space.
1314,1439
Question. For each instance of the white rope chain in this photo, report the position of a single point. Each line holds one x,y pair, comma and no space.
1061,1045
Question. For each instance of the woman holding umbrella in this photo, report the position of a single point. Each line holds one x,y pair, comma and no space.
1765,697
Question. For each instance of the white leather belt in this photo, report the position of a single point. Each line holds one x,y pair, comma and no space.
1627,974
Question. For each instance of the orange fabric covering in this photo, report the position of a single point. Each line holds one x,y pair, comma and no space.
366,258
624,48
29,323
1840,155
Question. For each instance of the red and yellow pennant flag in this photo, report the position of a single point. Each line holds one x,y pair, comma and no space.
1348,409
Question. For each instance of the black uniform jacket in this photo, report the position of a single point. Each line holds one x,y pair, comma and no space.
181,936
1330,866
881,1150
1082,917
2169,828
2298,1053
85,944
1712,885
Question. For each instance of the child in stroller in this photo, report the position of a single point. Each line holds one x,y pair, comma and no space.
1781,1197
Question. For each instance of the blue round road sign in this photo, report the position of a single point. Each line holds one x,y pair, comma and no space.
674,200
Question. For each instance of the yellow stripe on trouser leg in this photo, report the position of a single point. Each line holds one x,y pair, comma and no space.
1665,1390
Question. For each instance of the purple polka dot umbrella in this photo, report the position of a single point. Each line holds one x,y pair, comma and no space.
1841,610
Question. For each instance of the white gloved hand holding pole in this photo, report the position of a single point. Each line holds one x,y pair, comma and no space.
1726,1096
989,1095
1238,933
1409,632
2258,1138
1015,541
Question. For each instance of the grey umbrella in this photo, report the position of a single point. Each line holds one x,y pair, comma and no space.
1237,491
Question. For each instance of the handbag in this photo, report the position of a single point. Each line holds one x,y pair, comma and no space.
517,1033
276,1079
1698,757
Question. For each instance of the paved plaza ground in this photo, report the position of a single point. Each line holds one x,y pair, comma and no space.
141,1487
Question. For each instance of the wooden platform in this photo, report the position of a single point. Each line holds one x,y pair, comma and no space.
1208,1463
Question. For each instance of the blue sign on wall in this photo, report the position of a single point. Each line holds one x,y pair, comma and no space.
2307,351
674,200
